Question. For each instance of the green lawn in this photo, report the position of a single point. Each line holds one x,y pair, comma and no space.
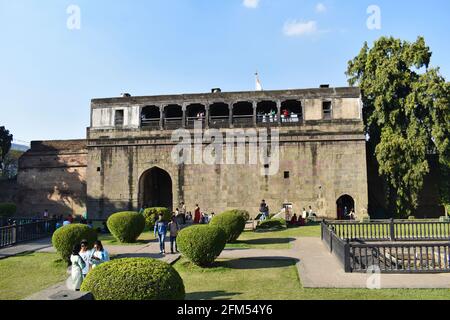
274,239
144,238
23,275
275,280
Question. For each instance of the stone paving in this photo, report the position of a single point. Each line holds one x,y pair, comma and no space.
26,247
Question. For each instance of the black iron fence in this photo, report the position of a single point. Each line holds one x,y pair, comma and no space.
392,230
390,246
17,233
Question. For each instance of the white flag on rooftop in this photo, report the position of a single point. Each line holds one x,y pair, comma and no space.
258,83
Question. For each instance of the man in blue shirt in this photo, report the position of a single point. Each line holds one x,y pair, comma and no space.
160,233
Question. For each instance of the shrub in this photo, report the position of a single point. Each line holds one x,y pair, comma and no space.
245,214
66,237
152,214
272,224
202,244
134,279
126,227
7,209
232,222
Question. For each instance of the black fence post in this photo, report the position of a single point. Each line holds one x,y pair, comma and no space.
347,266
392,230
321,230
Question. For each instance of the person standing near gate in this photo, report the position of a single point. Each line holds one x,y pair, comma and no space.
174,228
160,233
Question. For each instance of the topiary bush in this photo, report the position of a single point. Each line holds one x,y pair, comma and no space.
126,227
66,237
202,244
272,224
152,214
134,279
232,222
245,214
7,209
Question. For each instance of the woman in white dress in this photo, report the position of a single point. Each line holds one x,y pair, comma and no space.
78,264
86,255
100,255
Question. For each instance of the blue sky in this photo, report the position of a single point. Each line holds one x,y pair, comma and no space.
49,73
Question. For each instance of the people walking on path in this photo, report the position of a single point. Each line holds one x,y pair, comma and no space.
78,264
174,228
86,255
99,255
160,233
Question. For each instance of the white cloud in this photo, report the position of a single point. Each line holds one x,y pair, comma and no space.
251,3
320,7
294,28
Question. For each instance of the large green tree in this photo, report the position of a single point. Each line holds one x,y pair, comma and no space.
5,145
406,112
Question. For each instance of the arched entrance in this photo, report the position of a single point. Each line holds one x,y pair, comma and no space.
155,189
344,205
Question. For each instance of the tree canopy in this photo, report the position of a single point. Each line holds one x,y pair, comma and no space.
406,113
5,145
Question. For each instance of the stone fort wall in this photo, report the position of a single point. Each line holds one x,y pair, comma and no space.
52,175
324,162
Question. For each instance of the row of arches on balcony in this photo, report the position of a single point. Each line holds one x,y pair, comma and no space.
220,114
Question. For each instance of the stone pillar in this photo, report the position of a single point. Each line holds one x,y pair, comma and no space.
230,115
255,108
279,111
161,117
184,107
207,116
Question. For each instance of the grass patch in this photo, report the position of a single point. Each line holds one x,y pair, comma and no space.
255,279
25,274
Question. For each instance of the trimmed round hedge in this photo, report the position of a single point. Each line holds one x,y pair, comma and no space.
66,237
272,224
134,279
232,222
126,227
7,209
202,244
152,214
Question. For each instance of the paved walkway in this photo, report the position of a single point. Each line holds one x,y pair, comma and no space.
25,247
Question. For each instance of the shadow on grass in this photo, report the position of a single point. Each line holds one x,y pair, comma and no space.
211,295
139,255
267,241
256,263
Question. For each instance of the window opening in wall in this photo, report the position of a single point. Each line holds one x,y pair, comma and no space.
118,118
327,110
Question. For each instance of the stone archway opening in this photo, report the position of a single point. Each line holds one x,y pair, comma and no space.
155,189
344,205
